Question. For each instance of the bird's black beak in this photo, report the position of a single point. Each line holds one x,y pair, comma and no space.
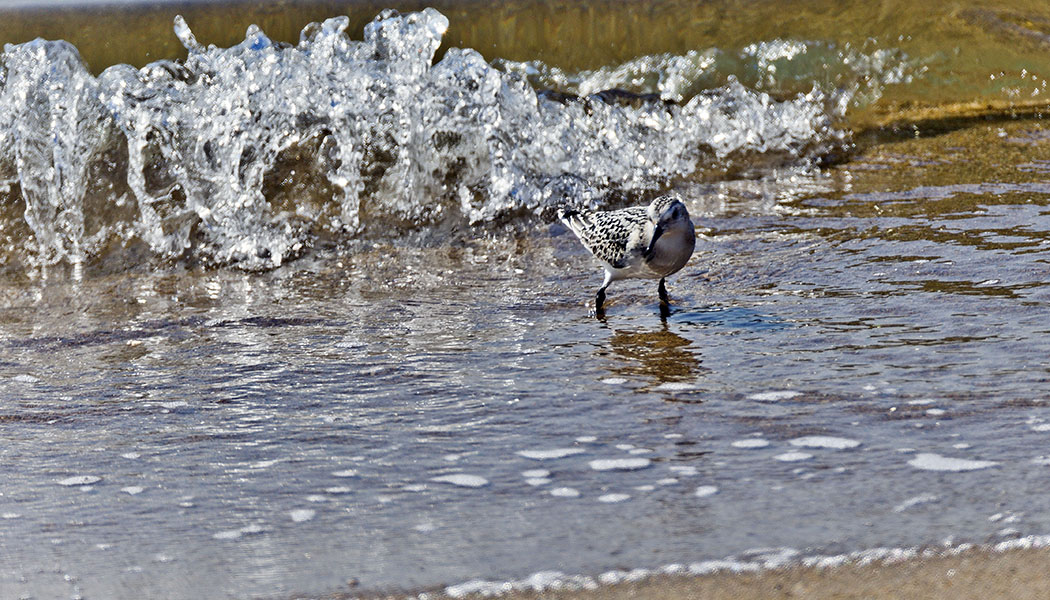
652,243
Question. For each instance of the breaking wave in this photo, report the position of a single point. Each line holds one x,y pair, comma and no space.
249,155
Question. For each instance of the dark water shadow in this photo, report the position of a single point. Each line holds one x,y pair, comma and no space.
728,317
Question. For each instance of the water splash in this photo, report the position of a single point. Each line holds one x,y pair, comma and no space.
781,67
247,155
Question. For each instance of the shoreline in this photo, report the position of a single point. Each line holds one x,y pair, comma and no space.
1013,569
1018,574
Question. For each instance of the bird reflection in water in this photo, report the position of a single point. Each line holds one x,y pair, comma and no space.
657,357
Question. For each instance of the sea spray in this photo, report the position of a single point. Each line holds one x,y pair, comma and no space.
245,155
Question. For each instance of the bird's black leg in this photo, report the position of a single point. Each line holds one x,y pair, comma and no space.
599,300
665,303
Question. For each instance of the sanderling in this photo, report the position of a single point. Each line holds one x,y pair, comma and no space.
650,242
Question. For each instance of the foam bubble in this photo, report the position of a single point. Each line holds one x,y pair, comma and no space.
675,386
25,378
620,464
300,515
824,441
684,470
536,473
133,490
80,480
614,381
793,456
666,481
229,534
346,473
586,439
565,492
537,481
551,454
614,498
774,396
462,480
750,443
928,461
705,490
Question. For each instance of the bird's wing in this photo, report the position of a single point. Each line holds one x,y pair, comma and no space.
606,233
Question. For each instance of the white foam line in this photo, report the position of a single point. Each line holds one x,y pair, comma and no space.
761,560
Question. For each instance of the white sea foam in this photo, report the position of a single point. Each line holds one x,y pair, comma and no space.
675,386
552,454
750,443
300,515
683,470
586,439
793,456
619,464
537,481
774,396
824,441
536,473
462,480
614,381
915,501
705,490
80,480
345,473
565,492
928,461
614,498
23,378
131,455
133,490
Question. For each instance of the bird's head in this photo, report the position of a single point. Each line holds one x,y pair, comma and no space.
667,211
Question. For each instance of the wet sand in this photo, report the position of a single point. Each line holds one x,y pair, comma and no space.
977,574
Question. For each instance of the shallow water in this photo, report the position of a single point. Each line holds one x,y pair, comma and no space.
857,357
282,432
